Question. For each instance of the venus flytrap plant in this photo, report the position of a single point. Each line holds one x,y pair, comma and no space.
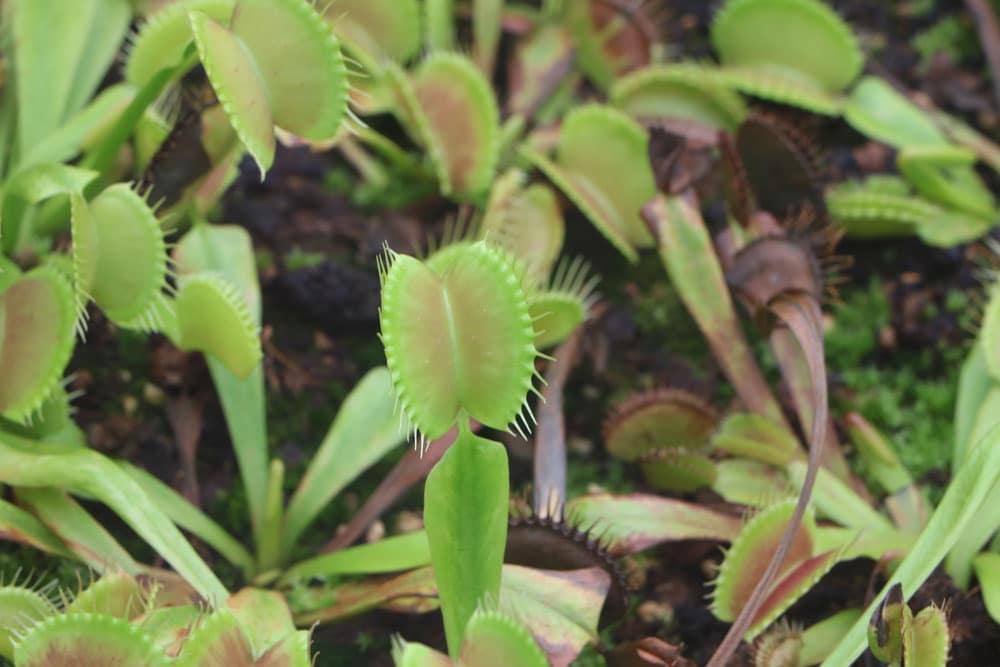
123,620
460,344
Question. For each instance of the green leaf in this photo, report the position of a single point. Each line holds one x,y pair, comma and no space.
409,654
560,609
391,554
413,592
631,523
495,640
299,61
364,430
190,518
962,502
525,221
86,639
228,250
87,473
925,639
89,541
987,566
20,526
53,83
465,514
749,555
439,17
41,181
292,651
946,175
223,249
656,419
81,130
818,640
562,303
486,33
753,436
868,211
458,338
834,499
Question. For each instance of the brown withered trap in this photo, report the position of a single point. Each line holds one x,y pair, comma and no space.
679,153
181,158
801,261
554,544
782,165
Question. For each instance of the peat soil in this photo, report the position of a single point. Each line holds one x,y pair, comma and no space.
317,238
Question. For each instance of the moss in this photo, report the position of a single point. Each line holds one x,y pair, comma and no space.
953,35
401,188
611,475
18,562
908,394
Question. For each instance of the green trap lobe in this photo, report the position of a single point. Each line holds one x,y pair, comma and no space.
298,60
36,339
238,85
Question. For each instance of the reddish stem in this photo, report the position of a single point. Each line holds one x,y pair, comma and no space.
550,443
410,470
801,314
